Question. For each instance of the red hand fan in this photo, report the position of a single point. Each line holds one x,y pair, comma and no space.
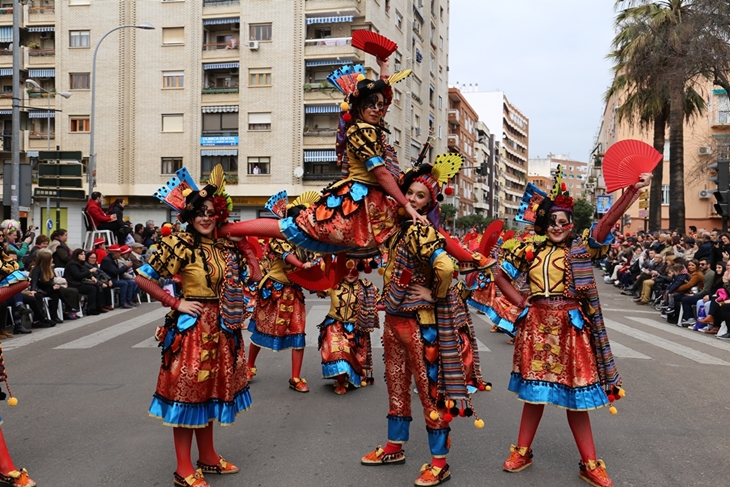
626,160
490,237
313,279
508,235
373,43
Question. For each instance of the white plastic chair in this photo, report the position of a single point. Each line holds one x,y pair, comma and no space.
92,233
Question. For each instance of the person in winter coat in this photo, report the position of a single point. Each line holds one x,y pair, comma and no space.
84,280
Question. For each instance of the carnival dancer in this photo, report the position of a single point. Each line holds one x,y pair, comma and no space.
562,355
420,334
344,335
279,317
203,373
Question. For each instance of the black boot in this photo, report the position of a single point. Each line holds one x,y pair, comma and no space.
21,329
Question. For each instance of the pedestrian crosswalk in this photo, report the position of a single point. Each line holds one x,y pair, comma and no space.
642,331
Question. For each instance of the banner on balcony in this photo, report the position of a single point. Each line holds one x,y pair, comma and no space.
218,141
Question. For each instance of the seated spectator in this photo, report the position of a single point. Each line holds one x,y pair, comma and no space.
41,242
15,248
103,281
42,280
95,212
99,249
708,289
116,272
125,259
60,251
138,233
137,256
696,279
84,280
705,249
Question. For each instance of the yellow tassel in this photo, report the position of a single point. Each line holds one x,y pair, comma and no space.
350,264
13,401
613,410
186,192
621,393
363,383
360,77
479,423
344,106
434,415
487,387
381,271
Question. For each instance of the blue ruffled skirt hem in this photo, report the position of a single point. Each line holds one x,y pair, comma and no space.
275,343
503,324
198,415
339,367
541,392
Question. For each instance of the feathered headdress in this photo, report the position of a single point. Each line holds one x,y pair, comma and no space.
434,177
536,205
182,194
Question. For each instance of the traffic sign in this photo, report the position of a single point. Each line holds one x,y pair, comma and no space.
643,203
49,224
63,170
60,182
59,155
64,194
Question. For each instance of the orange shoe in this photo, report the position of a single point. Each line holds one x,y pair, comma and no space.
340,388
494,329
520,458
17,478
221,468
594,472
194,480
299,385
431,475
251,373
379,457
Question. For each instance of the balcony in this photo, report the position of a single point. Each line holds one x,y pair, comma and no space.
220,3
454,117
319,136
453,141
327,8
6,58
42,14
39,140
331,47
6,16
321,92
222,51
41,57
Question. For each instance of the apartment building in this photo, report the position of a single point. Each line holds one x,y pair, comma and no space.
236,82
462,138
486,154
575,173
512,128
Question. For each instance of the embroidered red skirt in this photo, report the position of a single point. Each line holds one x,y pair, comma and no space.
345,350
280,316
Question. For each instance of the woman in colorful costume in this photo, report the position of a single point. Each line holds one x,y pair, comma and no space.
420,336
344,335
279,317
562,355
203,373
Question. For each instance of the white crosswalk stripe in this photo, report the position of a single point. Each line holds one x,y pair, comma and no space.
114,331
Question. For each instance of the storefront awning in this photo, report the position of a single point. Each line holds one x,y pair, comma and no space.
6,112
227,20
219,152
44,28
329,20
41,114
320,156
6,72
32,153
329,62
42,73
221,109
322,109
220,66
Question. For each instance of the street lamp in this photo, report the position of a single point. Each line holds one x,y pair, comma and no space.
92,154
64,94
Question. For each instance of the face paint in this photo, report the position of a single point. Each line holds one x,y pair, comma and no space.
374,102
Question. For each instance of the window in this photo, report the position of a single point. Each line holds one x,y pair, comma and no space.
441,42
172,123
259,77
220,123
170,165
79,81
172,79
665,194
259,121
396,136
396,97
259,32
259,165
723,110
398,20
441,102
387,6
173,35
229,163
79,38
79,2
80,124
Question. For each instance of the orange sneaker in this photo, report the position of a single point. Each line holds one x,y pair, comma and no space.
519,459
250,373
594,472
494,329
431,475
194,480
379,457
221,468
17,478
340,388
299,385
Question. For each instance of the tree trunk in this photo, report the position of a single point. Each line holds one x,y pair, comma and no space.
676,155
655,191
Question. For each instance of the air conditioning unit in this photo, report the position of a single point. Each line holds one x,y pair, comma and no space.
705,193
253,45
704,150
44,35
234,70
236,26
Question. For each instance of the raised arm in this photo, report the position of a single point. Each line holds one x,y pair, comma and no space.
605,224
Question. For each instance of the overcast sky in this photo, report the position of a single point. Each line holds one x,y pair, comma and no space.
549,57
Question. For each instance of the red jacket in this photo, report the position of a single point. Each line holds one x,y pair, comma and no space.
95,212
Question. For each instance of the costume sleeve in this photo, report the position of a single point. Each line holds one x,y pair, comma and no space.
7,264
429,245
173,252
513,257
364,141
600,234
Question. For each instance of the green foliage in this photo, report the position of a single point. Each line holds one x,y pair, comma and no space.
583,215
466,222
448,212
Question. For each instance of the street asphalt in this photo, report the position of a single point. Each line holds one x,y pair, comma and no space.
84,388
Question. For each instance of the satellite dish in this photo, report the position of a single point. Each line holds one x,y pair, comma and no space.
298,172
